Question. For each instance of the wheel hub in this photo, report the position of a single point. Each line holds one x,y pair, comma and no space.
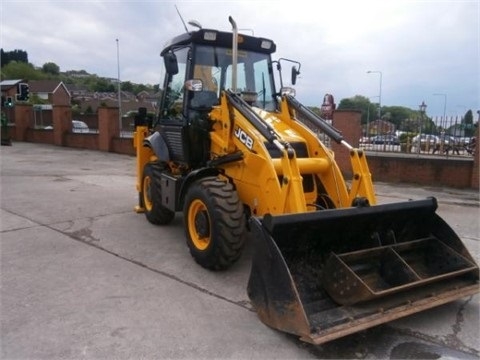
202,225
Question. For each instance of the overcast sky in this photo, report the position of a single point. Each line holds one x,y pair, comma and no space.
421,48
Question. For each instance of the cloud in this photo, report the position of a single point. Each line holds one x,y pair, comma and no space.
421,47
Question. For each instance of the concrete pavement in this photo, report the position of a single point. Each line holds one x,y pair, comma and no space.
84,277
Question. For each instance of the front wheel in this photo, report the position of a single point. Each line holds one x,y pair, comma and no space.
214,223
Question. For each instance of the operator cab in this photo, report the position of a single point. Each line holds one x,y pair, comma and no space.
198,68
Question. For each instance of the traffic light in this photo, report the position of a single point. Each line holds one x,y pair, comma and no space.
9,102
23,92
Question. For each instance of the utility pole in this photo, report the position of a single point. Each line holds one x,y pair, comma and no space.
380,93
119,93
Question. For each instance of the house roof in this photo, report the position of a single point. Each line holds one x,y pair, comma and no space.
46,86
76,87
8,84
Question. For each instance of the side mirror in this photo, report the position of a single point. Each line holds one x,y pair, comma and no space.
295,72
171,65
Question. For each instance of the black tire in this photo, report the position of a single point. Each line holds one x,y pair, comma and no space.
151,196
214,223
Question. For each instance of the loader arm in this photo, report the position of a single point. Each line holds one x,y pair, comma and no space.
238,126
361,183
267,185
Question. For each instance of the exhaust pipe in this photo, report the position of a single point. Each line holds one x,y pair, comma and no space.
234,53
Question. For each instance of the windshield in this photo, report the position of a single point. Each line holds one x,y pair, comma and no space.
213,65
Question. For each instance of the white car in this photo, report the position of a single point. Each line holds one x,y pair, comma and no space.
79,127
424,138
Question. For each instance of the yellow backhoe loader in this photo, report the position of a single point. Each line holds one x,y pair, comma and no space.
239,156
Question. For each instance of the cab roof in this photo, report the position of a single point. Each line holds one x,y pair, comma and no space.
222,39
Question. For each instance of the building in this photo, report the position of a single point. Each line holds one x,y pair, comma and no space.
53,92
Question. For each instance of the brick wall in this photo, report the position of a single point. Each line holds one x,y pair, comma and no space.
348,122
407,168
422,171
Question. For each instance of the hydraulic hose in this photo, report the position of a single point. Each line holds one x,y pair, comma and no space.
317,120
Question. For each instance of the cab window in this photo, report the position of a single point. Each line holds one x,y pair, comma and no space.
174,89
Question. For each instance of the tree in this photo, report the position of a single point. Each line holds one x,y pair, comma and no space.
357,102
51,68
397,114
467,123
139,88
16,55
468,117
362,103
21,70
126,86
103,85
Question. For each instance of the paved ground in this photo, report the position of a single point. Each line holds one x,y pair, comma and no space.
84,277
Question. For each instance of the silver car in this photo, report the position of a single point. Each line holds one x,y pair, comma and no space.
79,127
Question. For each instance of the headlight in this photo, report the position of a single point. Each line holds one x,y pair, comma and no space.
210,35
266,44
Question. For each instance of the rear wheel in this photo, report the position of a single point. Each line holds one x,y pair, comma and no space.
151,196
214,223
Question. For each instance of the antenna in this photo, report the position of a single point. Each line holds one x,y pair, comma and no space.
181,19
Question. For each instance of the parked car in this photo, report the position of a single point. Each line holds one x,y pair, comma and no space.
435,140
465,140
79,127
364,140
448,140
426,138
385,139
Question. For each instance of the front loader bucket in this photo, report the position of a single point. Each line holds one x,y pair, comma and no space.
326,274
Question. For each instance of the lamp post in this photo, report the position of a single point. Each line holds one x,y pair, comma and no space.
368,117
444,120
422,107
368,121
119,95
380,93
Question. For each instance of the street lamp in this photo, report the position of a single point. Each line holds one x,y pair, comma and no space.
380,93
368,116
444,109
119,95
422,107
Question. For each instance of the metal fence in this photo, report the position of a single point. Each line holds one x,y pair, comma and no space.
448,137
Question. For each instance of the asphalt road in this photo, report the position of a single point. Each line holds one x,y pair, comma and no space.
85,277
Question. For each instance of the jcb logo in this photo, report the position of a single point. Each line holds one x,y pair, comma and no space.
244,138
